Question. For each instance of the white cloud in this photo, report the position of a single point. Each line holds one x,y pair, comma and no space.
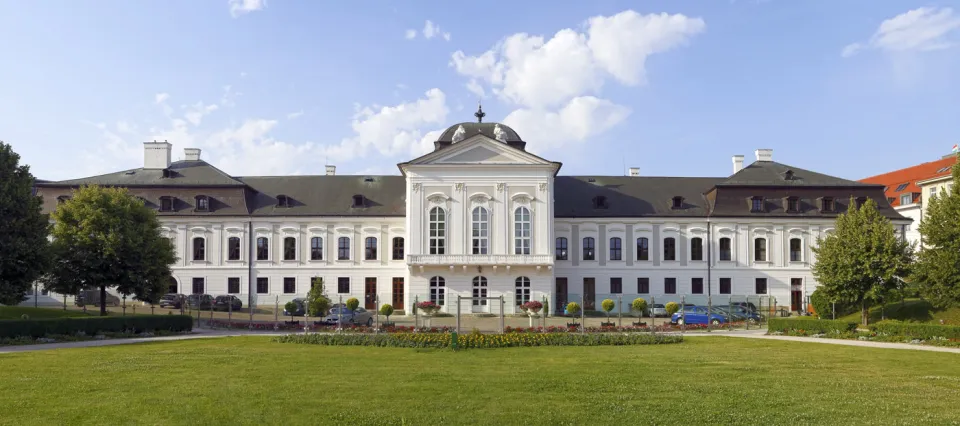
242,7
229,98
160,98
921,29
197,111
476,88
430,30
294,115
410,34
579,119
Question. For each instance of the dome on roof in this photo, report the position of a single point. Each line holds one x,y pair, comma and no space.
497,131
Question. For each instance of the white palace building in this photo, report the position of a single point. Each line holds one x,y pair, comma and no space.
481,216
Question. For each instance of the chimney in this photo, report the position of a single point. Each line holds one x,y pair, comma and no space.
737,163
331,170
156,155
191,154
764,155
634,171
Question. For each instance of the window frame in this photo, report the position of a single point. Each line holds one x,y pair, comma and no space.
522,231
398,247
343,248
908,197
438,290
589,246
265,281
522,289
729,249
616,248
289,248
287,289
203,285
202,203
263,248
231,282
696,249
199,253
728,283
616,285
760,249
669,249
756,204
643,285
561,248
761,283
234,248
696,282
798,251
669,285
480,231
827,205
343,285
316,248
166,204
370,251
643,249
437,228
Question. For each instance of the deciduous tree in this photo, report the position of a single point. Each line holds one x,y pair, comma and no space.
862,260
23,229
937,272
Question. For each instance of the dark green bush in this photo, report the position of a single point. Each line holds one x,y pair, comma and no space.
810,325
824,308
918,331
94,325
478,340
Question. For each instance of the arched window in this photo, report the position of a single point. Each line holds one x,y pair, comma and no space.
203,203
263,248
562,248
523,290
343,248
397,248
481,230
199,249
696,248
437,290
233,248
521,231
370,248
616,249
588,248
726,253
289,248
480,290
438,231
669,248
760,250
796,250
316,248
643,248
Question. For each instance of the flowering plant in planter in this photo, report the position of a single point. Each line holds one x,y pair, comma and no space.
534,307
429,308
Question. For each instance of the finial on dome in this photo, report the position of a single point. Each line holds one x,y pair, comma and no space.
479,114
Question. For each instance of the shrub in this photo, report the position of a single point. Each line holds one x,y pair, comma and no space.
353,304
386,310
608,306
317,301
94,325
824,307
573,308
479,340
785,325
291,307
671,307
639,305
918,331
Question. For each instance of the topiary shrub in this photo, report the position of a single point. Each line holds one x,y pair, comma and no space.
607,305
291,307
386,310
353,304
672,308
639,305
573,308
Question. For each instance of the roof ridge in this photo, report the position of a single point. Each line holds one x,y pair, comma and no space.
944,160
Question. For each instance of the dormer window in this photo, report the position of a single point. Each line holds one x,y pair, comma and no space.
599,202
203,203
283,201
827,205
63,199
677,202
788,175
861,201
359,201
167,173
792,205
756,205
166,204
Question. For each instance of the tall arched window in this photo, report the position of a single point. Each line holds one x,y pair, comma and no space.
523,290
521,231
316,248
370,249
343,248
438,290
669,248
263,248
796,247
726,253
643,248
696,248
199,249
289,248
233,248
480,290
616,249
397,248
438,231
760,250
562,248
481,230
588,248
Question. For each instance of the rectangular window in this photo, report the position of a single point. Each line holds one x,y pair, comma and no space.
521,231
826,204
316,248
263,285
198,286
696,286
263,248
616,285
199,248
233,285
670,286
696,249
793,204
756,204
760,249
725,252
370,249
725,285
481,230
561,248
933,192
289,248
616,249
669,249
761,286
343,248
438,231
906,199
795,252
643,285
398,248
588,247
233,248
289,285
343,285
166,204
643,248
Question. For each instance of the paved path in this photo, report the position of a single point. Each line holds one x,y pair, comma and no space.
208,334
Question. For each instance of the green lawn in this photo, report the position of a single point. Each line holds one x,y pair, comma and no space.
911,310
706,380
14,312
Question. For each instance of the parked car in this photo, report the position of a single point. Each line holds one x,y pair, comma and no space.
92,297
657,310
342,315
227,303
746,305
172,300
737,313
200,301
301,308
697,315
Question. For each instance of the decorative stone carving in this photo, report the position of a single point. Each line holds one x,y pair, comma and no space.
499,134
459,134
543,186
501,187
460,186
417,186
437,199
522,199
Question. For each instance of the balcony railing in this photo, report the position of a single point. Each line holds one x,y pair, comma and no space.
479,259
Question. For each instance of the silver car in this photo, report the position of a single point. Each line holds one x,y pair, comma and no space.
342,315
658,310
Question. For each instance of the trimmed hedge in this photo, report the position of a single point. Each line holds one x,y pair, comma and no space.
94,325
477,340
810,325
918,331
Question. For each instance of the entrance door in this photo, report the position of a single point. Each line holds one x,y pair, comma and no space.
796,294
589,294
397,299
561,295
370,294
480,290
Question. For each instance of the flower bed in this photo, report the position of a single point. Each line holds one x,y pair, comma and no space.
286,326
478,340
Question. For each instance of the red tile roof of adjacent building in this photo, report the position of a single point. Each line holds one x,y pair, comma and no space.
909,177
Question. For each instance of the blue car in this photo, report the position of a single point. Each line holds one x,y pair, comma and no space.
697,315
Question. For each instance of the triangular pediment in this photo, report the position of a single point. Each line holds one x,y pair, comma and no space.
480,150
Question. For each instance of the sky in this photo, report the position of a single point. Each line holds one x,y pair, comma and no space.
849,88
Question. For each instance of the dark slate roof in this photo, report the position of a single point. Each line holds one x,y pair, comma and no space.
771,173
327,195
628,196
473,129
183,173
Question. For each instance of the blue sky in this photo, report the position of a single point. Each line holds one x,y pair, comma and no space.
849,88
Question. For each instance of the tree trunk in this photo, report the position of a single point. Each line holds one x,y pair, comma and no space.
103,300
864,312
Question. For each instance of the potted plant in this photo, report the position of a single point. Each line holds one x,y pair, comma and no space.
573,308
387,310
533,309
640,306
428,308
291,307
607,305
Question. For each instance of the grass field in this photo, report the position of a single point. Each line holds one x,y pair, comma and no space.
14,312
911,310
706,380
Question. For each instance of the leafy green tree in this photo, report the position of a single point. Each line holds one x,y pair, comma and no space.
862,260
937,272
639,305
386,309
317,301
353,304
105,237
607,305
24,254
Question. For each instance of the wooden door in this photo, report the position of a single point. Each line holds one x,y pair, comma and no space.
796,294
397,298
370,294
589,294
561,295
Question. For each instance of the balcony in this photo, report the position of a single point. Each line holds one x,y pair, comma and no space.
480,259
